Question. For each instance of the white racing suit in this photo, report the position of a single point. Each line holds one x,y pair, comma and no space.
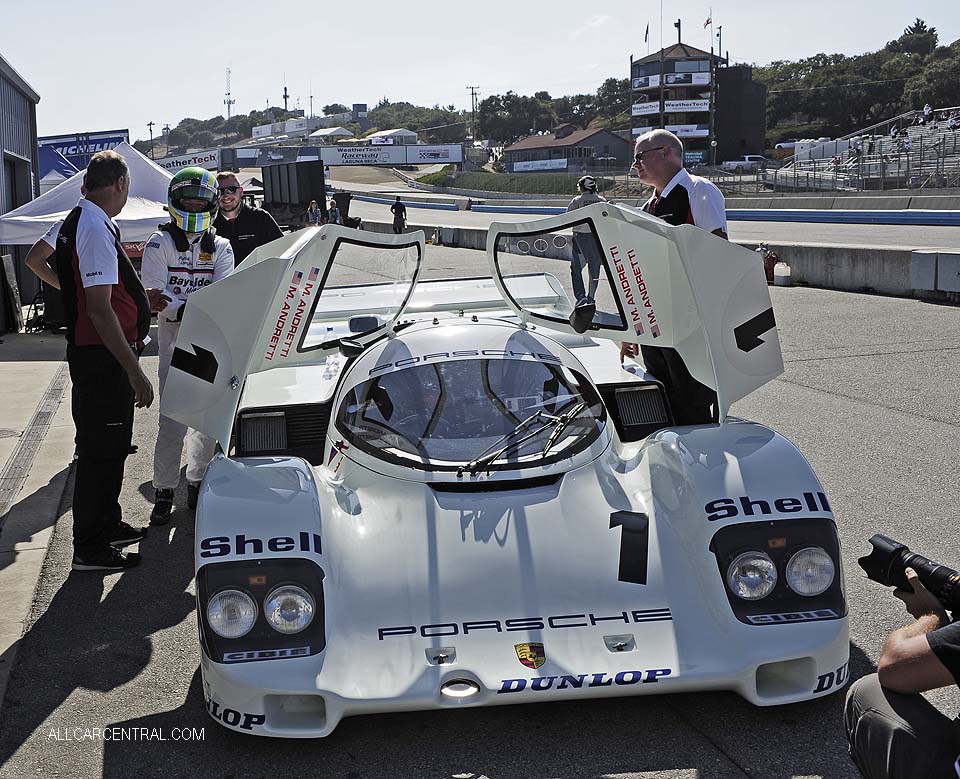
179,274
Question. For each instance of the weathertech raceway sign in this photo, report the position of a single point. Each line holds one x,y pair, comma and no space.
409,154
209,159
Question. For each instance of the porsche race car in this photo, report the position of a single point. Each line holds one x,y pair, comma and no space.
450,493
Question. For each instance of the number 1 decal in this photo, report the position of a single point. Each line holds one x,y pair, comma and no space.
634,540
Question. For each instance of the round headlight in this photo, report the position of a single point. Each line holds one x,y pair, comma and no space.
810,571
289,609
752,576
231,613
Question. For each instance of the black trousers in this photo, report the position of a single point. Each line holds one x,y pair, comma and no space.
690,400
103,414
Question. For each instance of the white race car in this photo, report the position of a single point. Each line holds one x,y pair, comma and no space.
452,494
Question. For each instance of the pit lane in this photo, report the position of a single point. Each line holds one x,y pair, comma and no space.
871,395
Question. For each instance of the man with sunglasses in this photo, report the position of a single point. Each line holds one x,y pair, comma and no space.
246,228
678,198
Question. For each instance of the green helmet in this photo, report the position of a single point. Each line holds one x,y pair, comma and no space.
193,184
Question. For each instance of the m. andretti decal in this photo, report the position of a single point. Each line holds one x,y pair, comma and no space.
635,292
290,321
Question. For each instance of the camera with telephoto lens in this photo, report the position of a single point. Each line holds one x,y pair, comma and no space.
888,559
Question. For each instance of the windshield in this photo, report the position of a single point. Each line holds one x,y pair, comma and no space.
505,413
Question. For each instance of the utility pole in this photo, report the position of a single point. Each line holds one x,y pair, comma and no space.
228,101
311,98
473,111
150,126
720,36
678,25
286,97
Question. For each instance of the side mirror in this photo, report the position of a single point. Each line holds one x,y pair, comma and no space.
350,348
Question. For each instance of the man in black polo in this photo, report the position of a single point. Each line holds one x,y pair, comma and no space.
108,316
678,198
245,227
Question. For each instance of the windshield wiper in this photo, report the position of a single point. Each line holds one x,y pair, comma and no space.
488,455
560,424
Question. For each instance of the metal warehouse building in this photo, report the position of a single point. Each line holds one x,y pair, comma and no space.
19,174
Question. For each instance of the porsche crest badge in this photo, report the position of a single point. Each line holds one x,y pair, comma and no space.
531,655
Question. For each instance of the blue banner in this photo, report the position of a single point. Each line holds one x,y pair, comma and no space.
79,147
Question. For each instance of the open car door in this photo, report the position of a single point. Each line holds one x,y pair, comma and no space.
626,276
291,302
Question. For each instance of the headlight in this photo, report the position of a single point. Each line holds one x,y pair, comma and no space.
289,609
231,613
810,571
752,576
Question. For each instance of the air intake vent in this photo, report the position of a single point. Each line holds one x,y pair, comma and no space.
637,410
641,406
297,431
263,431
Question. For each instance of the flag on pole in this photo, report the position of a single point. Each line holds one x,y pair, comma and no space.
708,22
646,35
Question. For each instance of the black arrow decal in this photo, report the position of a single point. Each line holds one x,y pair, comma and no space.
748,334
203,364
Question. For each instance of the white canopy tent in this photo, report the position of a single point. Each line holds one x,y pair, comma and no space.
139,218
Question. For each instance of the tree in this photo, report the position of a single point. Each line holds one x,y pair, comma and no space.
203,138
334,108
917,39
613,97
936,84
178,137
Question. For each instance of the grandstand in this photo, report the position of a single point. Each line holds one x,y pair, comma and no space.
869,159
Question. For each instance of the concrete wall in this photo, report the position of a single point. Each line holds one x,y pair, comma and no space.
849,269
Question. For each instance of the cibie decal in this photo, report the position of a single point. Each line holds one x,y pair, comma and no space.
635,293
531,655
543,683
290,320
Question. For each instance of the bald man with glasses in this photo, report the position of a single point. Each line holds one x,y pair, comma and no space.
678,198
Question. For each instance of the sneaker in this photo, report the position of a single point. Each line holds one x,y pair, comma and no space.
124,535
193,494
109,559
162,507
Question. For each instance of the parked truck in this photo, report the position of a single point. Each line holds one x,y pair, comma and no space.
746,163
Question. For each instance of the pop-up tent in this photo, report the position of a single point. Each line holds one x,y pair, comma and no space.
54,168
141,215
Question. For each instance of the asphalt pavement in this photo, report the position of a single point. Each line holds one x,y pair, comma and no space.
871,395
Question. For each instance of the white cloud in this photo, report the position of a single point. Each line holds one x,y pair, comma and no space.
591,24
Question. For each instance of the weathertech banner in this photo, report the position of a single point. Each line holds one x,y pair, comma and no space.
209,159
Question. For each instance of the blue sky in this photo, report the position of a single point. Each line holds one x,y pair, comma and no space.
111,64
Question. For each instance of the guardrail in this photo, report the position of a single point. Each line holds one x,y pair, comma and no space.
832,216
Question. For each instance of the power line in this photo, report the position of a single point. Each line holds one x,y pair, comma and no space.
836,86
473,111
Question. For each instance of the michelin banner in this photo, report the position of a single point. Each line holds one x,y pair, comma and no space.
79,147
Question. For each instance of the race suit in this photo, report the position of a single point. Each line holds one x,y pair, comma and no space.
179,274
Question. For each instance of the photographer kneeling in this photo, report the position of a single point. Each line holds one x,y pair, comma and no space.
893,730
